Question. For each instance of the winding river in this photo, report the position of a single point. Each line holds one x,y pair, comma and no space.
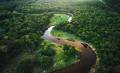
87,55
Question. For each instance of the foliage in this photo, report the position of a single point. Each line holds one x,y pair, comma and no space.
70,51
59,19
42,60
114,4
93,22
29,65
20,33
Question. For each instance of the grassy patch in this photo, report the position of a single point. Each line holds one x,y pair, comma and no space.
64,35
59,19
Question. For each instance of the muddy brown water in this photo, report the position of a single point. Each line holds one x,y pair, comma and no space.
87,57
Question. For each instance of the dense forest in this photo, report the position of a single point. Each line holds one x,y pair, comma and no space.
114,4
23,22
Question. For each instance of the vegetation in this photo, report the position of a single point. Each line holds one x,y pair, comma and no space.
42,60
59,19
21,39
114,4
23,22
